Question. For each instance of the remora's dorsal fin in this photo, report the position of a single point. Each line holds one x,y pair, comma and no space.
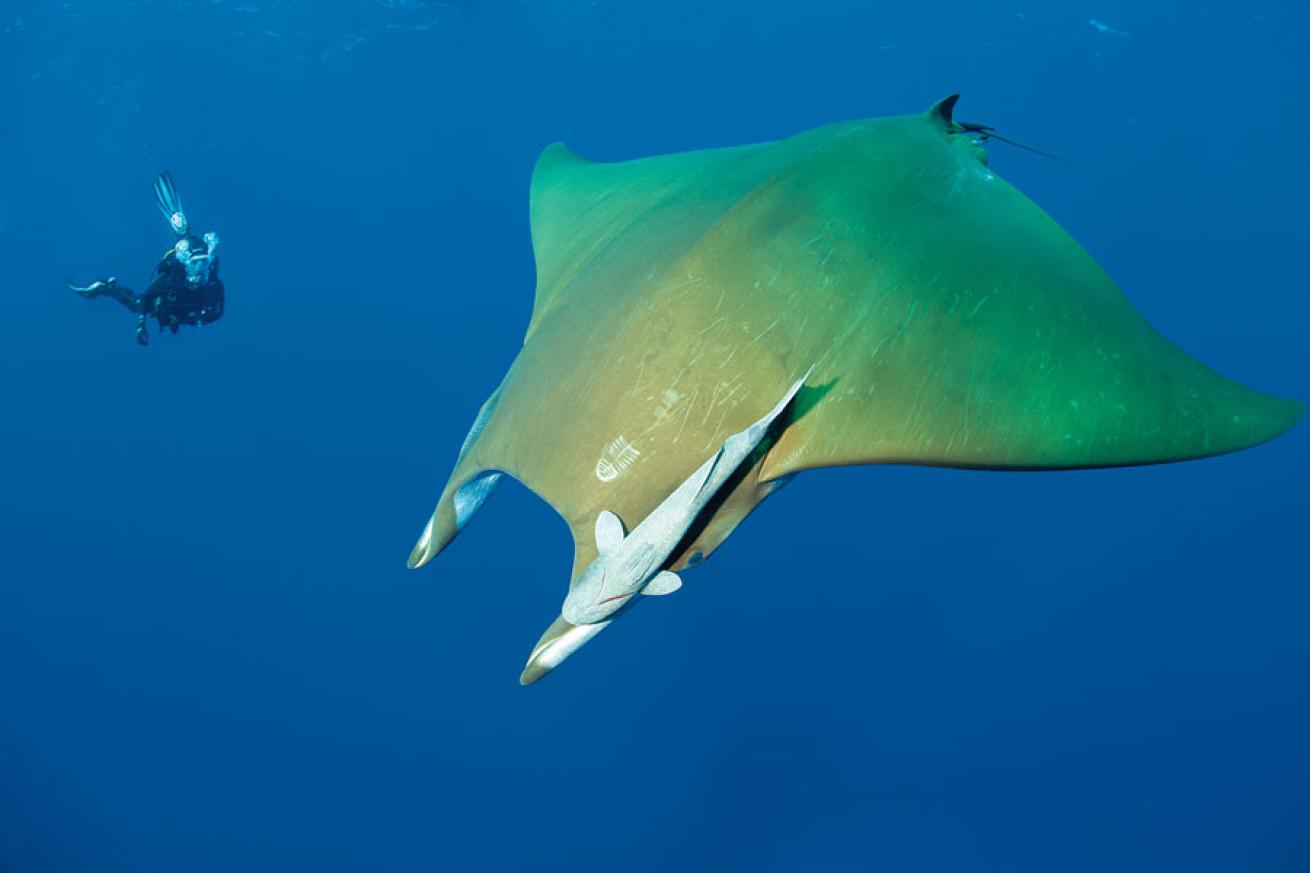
609,532
665,582
942,112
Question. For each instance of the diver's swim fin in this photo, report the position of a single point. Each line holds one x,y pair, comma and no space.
95,289
169,202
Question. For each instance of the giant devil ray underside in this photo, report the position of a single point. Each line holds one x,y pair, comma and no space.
931,312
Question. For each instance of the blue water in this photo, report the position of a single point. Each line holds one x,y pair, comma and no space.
213,659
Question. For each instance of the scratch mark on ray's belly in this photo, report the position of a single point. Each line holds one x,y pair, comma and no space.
713,324
914,304
718,427
686,412
764,332
722,293
710,406
669,402
689,283
977,306
735,389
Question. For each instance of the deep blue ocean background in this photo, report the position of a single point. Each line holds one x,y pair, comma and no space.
212,657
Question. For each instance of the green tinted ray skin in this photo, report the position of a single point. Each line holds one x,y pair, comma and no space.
952,323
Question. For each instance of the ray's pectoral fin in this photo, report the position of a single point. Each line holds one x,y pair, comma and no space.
665,582
559,641
463,496
609,532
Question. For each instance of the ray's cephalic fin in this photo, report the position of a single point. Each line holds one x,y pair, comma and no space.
943,112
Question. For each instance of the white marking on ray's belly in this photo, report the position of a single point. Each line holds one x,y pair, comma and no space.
617,457
668,400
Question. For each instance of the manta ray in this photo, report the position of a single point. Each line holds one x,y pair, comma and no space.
710,323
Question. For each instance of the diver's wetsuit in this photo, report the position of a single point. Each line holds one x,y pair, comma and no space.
169,298
185,288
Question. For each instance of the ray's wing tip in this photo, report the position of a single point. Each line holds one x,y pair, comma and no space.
533,671
1278,416
559,641
421,553
425,549
417,558
539,663
1293,412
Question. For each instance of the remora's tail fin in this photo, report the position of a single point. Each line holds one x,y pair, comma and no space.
756,429
792,392
753,434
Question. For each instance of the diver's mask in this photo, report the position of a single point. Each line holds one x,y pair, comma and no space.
196,263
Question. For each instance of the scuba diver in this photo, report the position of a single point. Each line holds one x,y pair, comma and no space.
185,288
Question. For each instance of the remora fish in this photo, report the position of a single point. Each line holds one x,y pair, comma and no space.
626,565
